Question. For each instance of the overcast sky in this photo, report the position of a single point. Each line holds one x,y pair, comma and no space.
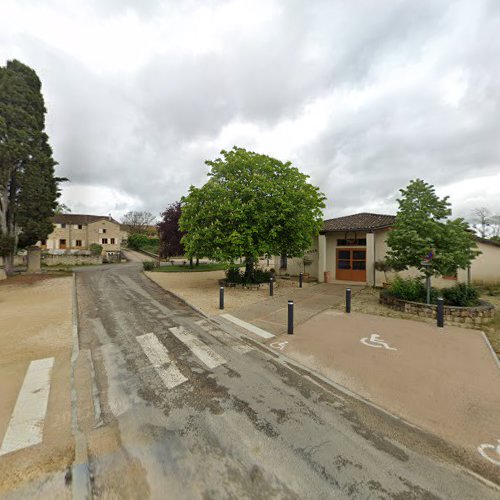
362,95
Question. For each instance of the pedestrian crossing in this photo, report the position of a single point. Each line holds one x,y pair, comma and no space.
26,423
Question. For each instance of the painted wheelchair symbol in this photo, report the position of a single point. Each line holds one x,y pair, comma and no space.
484,450
279,345
376,341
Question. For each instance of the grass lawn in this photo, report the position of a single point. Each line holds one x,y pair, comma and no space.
195,269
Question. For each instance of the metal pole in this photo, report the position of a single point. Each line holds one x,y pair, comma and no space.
271,287
440,312
221,298
301,277
290,317
348,300
428,285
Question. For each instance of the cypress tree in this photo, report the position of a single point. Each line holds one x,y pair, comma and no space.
28,186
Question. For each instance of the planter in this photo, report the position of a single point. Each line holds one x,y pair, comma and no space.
473,316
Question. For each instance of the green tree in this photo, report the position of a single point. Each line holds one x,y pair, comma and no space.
423,228
251,205
28,186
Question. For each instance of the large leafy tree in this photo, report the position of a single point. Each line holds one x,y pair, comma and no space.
169,231
251,205
28,186
424,231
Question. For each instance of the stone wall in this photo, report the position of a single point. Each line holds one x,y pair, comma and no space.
71,260
473,316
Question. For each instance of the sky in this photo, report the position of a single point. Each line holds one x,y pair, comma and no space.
362,95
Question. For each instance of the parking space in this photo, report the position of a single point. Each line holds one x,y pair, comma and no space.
444,380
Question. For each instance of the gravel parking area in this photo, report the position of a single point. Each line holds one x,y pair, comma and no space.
202,290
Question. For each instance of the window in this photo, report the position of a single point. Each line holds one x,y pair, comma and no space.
104,241
283,261
112,241
63,226
80,226
354,241
104,230
78,243
62,244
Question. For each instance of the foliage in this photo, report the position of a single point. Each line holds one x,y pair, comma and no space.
423,227
187,269
95,249
62,208
137,241
138,222
412,289
234,275
251,205
7,244
150,265
169,231
461,294
28,186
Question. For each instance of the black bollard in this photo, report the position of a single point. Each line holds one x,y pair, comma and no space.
271,287
348,300
221,298
440,312
290,317
301,277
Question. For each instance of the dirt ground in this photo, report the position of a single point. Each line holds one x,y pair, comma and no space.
202,290
36,323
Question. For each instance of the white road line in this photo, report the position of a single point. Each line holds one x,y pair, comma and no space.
157,354
198,348
239,347
26,423
248,326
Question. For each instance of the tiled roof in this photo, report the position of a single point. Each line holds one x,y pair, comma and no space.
359,222
80,219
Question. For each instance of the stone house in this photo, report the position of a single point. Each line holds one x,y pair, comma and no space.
347,248
76,232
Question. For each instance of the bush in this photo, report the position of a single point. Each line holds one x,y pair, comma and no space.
150,265
95,249
461,295
234,275
412,289
137,241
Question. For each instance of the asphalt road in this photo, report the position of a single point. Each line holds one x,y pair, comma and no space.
170,405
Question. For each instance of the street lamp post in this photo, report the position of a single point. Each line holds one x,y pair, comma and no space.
426,265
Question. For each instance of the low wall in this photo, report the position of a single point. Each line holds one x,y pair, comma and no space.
473,316
71,260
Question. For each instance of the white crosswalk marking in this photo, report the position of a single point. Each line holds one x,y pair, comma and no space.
239,347
157,354
248,326
26,424
206,355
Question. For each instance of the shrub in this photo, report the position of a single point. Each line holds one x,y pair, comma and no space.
234,275
95,249
408,289
137,241
461,295
150,265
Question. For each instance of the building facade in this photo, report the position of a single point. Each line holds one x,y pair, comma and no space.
73,232
347,248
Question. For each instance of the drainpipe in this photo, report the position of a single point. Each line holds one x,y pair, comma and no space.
374,259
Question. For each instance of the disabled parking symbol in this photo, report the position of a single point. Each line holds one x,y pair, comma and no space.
376,341
491,452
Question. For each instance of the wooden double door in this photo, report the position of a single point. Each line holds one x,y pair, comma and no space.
351,264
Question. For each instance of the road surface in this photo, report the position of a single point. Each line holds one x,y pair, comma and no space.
171,405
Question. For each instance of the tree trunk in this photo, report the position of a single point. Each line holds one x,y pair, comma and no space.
249,265
197,261
191,262
8,263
